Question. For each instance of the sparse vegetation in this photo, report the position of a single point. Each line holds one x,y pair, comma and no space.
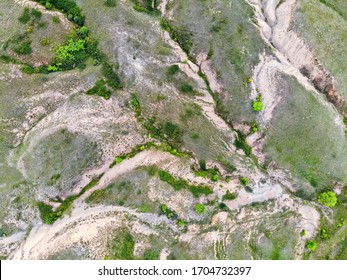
122,246
229,196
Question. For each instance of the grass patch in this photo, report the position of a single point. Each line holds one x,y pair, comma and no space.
179,184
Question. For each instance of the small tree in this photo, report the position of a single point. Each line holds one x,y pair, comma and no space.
328,199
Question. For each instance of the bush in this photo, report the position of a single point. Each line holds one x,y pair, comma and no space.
244,181
328,199
100,89
173,70
257,106
23,49
25,17
229,196
36,13
311,245
186,88
200,208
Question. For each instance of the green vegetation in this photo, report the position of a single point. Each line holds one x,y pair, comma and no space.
145,6
240,143
303,233
179,184
173,70
170,214
179,35
69,7
151,254
244,181
258,104
181,223
132,153
327,198
212,173
100,89
311,245
122,246
200,208
25,17
45,41
229,196
49,216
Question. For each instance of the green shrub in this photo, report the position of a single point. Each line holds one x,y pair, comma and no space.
200,208
244,181
311,245
186,88
327,198
100,89
173,70
181,223
323,233
23,49
257,106
164,208
36,13
229,196
25,17
303,233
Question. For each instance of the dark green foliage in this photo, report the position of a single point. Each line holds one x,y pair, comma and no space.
36,13
23,49
179,35
69,7
173,70
229,196
244,181
187,89
110,3
122,246
111,76
240,143
173,132
179,184
202,164
49,216
25,17
100,89
170,214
